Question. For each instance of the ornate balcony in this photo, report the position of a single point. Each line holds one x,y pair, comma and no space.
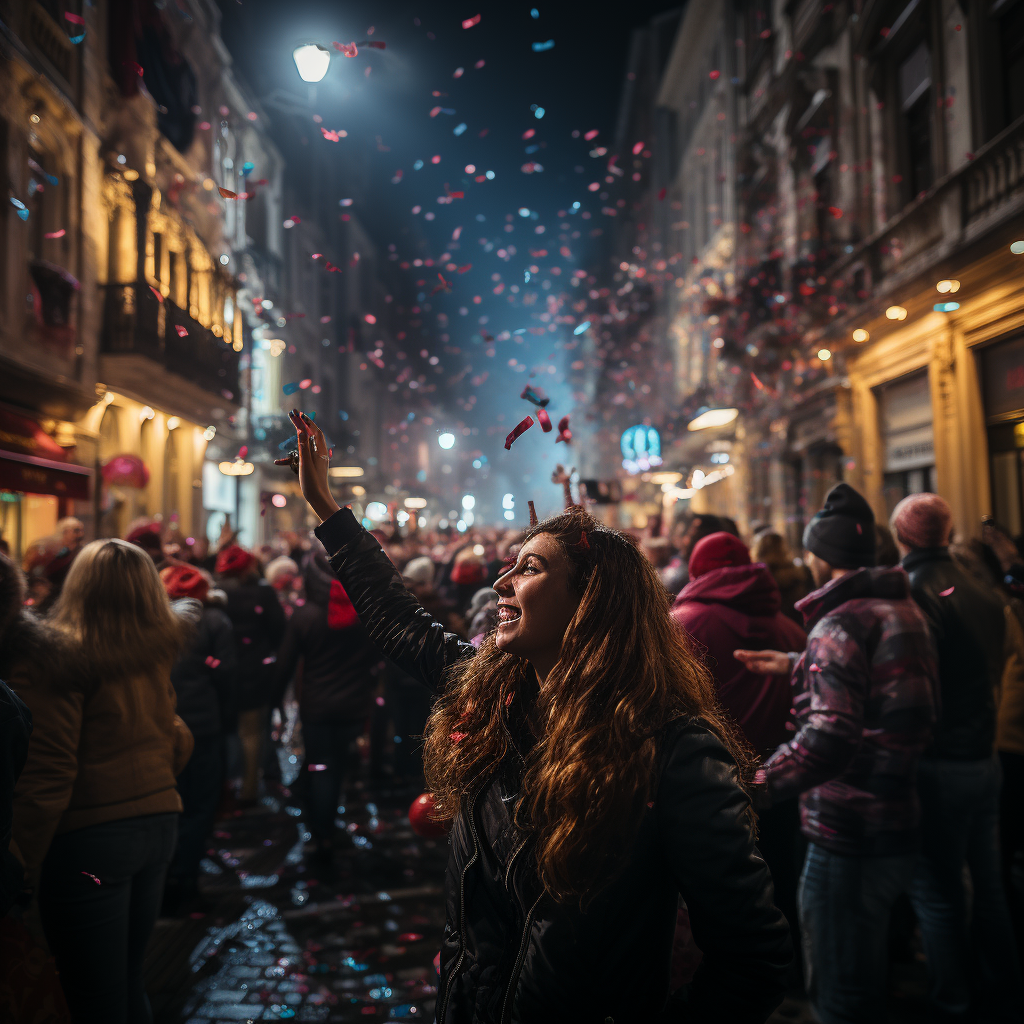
156,350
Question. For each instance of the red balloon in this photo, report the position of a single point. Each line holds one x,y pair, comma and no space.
421,817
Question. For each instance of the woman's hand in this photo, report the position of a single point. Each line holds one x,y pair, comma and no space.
770,662
314,462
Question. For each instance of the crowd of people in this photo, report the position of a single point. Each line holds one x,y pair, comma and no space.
814,752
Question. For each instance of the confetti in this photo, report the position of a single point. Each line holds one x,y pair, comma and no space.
93,877
75,19
470,22
290,389
227,193
544,420
55,234
541,47
946,593
182,331
535,395
564,433
212,662
520,428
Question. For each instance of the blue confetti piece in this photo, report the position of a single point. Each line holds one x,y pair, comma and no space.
534,13
290,389
540,47
532,149
343,414
582,327
248,166
23,214
76,39
460,128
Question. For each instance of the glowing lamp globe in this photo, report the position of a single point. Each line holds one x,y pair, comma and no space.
422,820
311,61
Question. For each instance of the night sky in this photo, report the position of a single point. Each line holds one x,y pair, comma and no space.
576,82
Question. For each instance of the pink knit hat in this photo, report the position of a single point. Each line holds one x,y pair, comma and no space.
922,521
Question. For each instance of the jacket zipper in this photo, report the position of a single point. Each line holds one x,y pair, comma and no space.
462,908
506,1009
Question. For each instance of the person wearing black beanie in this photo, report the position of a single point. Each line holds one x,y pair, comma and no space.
864,699
843,532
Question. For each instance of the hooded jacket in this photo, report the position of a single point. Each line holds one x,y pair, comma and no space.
258,622
865,693
339,663
15,727
510,954
739,607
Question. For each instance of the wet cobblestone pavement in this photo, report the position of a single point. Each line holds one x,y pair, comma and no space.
287,941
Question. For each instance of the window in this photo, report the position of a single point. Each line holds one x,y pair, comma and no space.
915,92
905,409
1011,38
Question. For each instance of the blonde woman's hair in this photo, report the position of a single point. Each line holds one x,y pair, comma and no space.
115,610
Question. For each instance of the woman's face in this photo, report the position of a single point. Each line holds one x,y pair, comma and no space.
535,604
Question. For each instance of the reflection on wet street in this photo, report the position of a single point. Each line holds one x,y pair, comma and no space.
282,939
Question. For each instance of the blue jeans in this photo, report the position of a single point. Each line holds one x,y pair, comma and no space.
99,895
844,905
328,757
967,932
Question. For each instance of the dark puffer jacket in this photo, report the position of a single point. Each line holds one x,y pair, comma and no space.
258,621
865,699
739,606
967,622
204,677
510,954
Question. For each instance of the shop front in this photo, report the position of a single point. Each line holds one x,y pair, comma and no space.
908,438
39,483
1001,367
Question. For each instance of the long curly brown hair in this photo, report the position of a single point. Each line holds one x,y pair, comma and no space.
625,672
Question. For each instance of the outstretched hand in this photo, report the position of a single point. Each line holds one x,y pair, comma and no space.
770,662
312,465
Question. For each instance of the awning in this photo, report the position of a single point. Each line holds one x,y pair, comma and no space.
43,476
30,460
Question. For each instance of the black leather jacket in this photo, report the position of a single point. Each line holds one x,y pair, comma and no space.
513,956
966,620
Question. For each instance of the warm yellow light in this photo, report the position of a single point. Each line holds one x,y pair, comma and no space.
947,286
896,313
173,423
860,334
216,328
415,502
210,432
237,345
277,346
109,397
358,490
208,184
824,354
713,418
236,468
131,174
146,413
346,471
34,118
664,478
151,169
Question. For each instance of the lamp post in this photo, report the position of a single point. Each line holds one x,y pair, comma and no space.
311,61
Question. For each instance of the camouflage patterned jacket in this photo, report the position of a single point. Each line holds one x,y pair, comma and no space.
865,693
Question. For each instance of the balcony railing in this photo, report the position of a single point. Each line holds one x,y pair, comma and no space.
136,322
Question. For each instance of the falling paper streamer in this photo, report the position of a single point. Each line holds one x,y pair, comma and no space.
520,428
544,420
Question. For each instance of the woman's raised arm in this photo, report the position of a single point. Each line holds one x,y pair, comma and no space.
395,621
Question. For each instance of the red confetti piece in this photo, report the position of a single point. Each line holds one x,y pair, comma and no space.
93,877
316,767
157,293
457,737
835,211
55,234
182,332
75,19
592,134
946,593
662,192
470,22
544,420
136,67
227,193
714,75
212,662
520,428
347,49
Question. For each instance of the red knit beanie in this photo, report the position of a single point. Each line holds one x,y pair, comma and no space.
716,551
234,561
184,581
923,521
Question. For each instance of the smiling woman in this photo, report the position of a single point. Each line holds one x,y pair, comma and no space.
589,778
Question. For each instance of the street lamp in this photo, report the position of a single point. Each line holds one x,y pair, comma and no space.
311,61
713,418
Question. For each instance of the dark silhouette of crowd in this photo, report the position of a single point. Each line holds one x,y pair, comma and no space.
878,680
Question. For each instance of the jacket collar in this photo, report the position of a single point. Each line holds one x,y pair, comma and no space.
919,556
883,584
